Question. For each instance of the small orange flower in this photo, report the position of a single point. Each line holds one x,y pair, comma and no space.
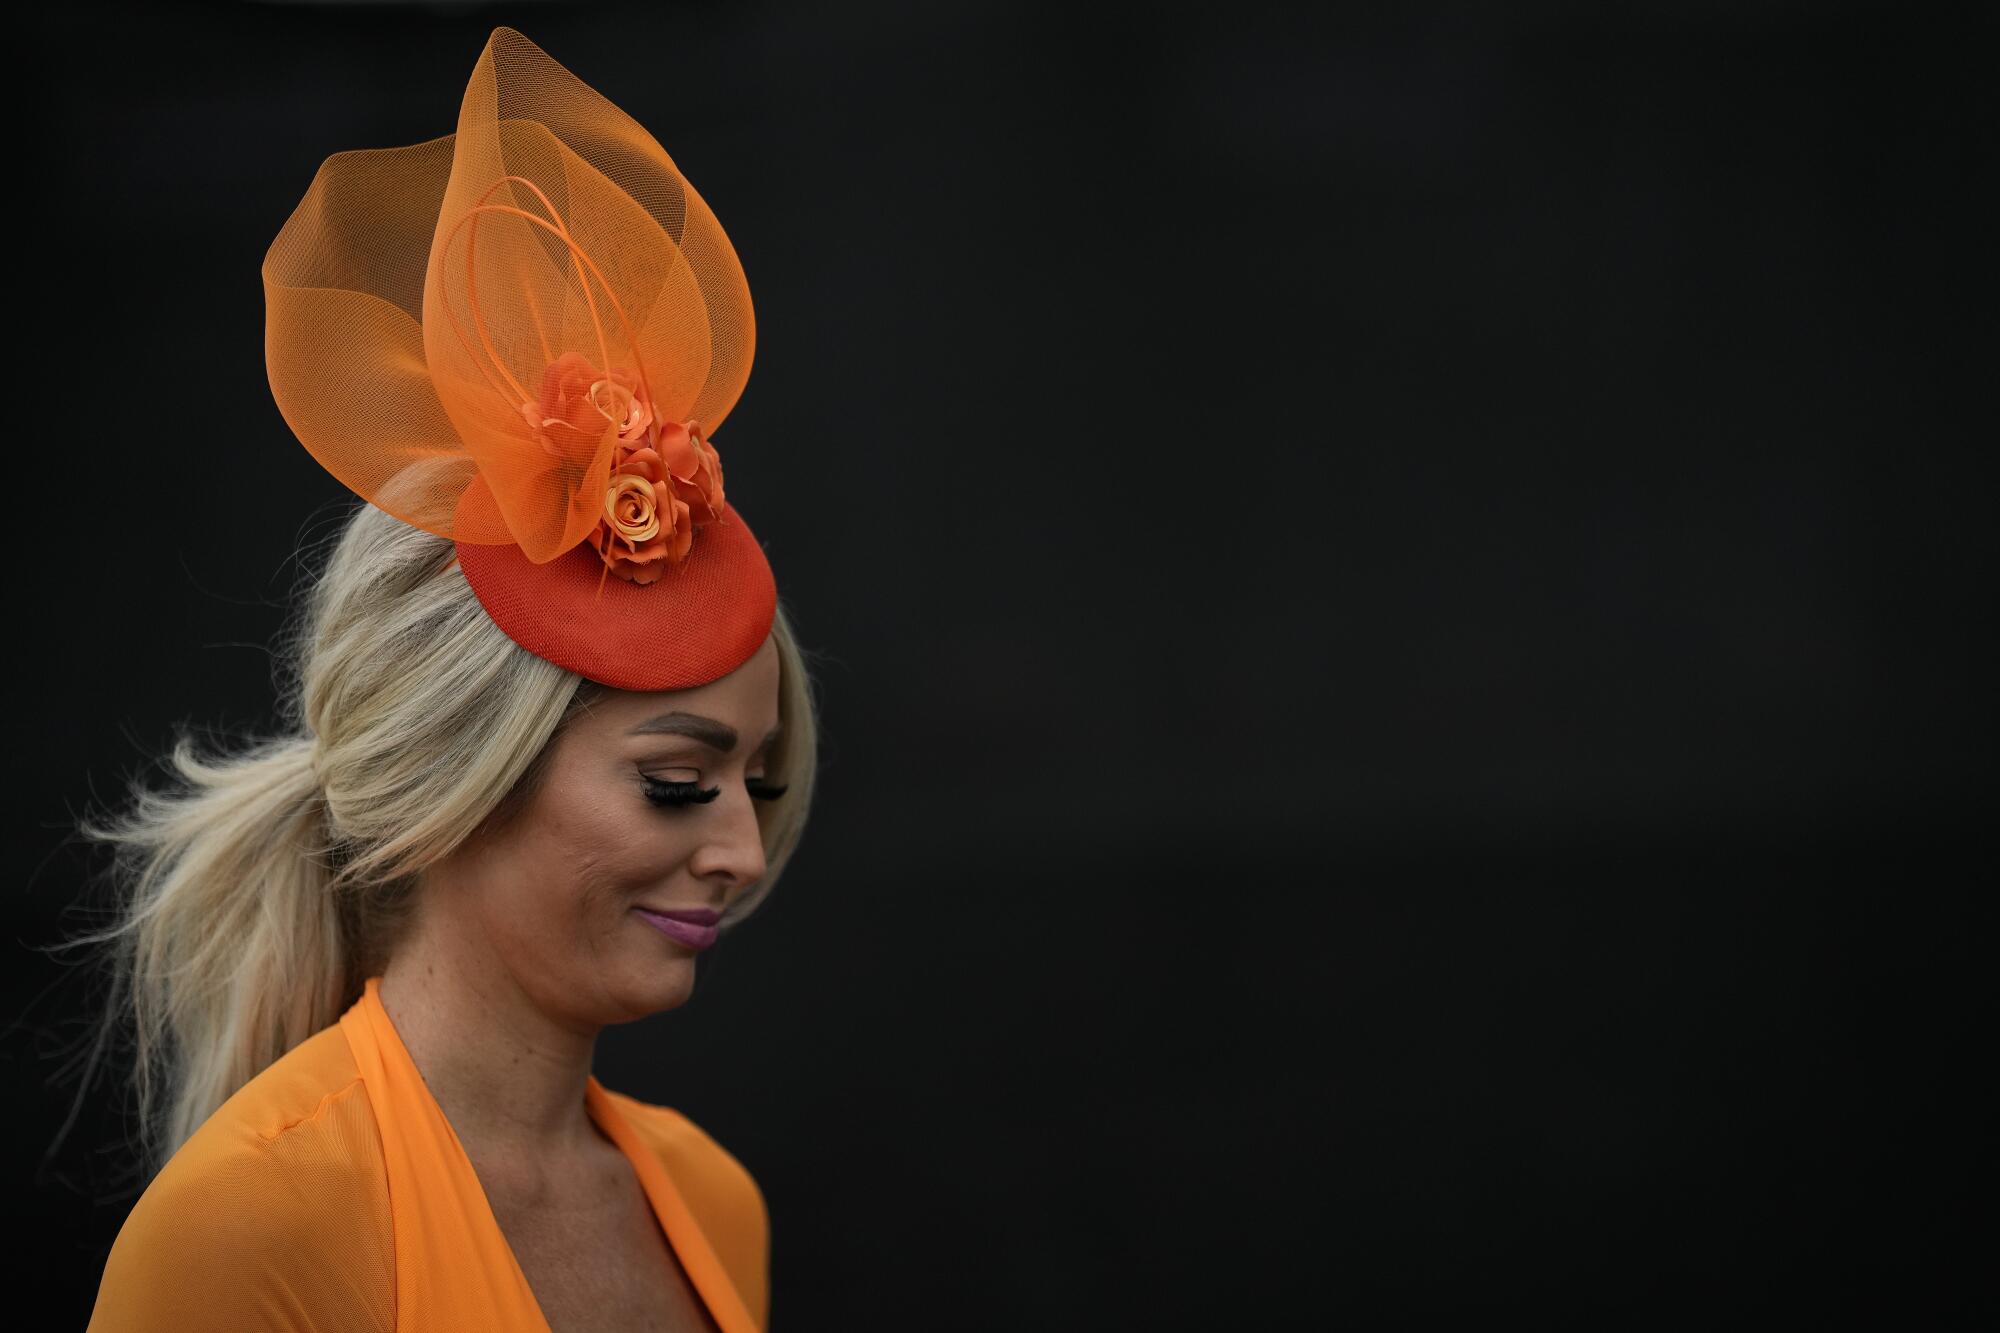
694,467
645,527
666,479
577,399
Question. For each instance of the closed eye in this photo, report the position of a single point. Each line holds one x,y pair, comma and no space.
679,794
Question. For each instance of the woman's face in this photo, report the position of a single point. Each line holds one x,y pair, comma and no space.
554,897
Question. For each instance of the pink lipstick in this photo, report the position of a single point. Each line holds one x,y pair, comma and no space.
694,927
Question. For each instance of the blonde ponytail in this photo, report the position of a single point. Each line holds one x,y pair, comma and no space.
231,938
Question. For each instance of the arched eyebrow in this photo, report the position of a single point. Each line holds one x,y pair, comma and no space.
718,736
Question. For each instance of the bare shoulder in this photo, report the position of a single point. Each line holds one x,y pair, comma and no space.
275,1213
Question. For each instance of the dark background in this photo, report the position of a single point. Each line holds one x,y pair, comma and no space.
1396,595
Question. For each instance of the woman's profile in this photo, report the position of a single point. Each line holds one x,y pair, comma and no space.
549,736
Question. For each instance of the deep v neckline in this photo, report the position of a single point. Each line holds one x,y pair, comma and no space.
454,1265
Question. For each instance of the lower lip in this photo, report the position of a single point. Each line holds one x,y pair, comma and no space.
695,937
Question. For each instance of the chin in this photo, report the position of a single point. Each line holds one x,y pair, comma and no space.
654,971
658,984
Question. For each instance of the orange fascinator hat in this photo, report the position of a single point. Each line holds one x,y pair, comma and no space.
523,336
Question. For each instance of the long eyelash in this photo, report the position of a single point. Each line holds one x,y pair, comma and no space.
661,792
679,793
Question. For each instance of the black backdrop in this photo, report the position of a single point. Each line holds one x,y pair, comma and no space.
1395,596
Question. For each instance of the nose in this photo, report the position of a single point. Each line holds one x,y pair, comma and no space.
731,856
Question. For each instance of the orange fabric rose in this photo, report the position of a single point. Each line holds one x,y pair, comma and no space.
645,527
666,480
577,399
695,468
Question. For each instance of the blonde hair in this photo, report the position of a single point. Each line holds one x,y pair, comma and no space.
254,900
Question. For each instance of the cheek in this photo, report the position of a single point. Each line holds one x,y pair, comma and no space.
592,859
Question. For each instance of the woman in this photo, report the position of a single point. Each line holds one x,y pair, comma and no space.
552,736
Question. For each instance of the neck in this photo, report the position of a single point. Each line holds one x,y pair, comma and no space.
509,1076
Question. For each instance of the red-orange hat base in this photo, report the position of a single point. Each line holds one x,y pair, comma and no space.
696,623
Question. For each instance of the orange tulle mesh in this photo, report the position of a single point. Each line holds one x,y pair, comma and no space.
419,297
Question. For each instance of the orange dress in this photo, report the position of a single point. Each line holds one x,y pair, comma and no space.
330,1193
